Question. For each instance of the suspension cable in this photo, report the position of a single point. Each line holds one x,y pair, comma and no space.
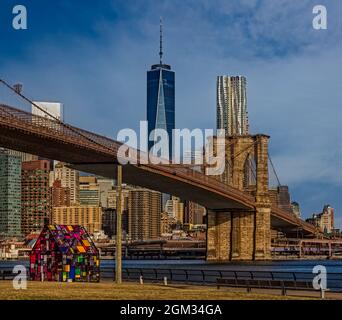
274,170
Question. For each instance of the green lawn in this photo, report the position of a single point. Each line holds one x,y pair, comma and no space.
134,291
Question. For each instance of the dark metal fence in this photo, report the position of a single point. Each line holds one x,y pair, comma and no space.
209,277
205,277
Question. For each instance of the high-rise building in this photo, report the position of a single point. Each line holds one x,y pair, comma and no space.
89,217
144,209
89,191
35,196
161,98
167,223
175,209
22,155
10,196
50,111
105,186
194,213
69,179
109,222
112,195
232,105
55,109
60,195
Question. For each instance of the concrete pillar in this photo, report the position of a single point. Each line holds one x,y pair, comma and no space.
242,236
212,240
219,236
262,245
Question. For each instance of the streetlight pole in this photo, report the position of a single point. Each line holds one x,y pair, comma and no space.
118,247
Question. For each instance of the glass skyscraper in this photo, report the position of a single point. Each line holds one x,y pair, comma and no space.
161,99
10,195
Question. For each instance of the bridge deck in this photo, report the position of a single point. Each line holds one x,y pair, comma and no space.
90,152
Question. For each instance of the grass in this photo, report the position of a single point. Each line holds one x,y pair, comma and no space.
127,291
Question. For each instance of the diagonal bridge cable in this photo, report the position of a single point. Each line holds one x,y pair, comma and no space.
274,170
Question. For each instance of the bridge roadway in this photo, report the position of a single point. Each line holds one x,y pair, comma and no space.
93,153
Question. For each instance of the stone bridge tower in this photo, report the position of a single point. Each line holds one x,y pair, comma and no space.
236,234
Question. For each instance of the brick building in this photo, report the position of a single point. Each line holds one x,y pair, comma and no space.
60,195
35,195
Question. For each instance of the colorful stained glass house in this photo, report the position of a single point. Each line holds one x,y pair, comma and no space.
64,253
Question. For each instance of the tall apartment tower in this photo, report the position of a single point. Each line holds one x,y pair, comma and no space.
144,209
161,98
232,112
69,179
10,196
35,195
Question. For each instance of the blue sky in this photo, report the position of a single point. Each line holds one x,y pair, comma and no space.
93,57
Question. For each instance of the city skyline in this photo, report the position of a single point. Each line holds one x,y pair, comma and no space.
311,167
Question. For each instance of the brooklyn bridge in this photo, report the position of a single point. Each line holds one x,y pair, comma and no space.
241,210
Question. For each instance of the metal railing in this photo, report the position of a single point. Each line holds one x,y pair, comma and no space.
200,276
209,277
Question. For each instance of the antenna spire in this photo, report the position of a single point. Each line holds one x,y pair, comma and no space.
161,41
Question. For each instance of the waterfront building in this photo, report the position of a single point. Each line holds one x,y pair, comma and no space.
35,196
324,220
144,210
161,98
10,195
69,179
89,217
232,105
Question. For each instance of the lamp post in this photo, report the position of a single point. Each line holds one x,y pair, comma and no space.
118,247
